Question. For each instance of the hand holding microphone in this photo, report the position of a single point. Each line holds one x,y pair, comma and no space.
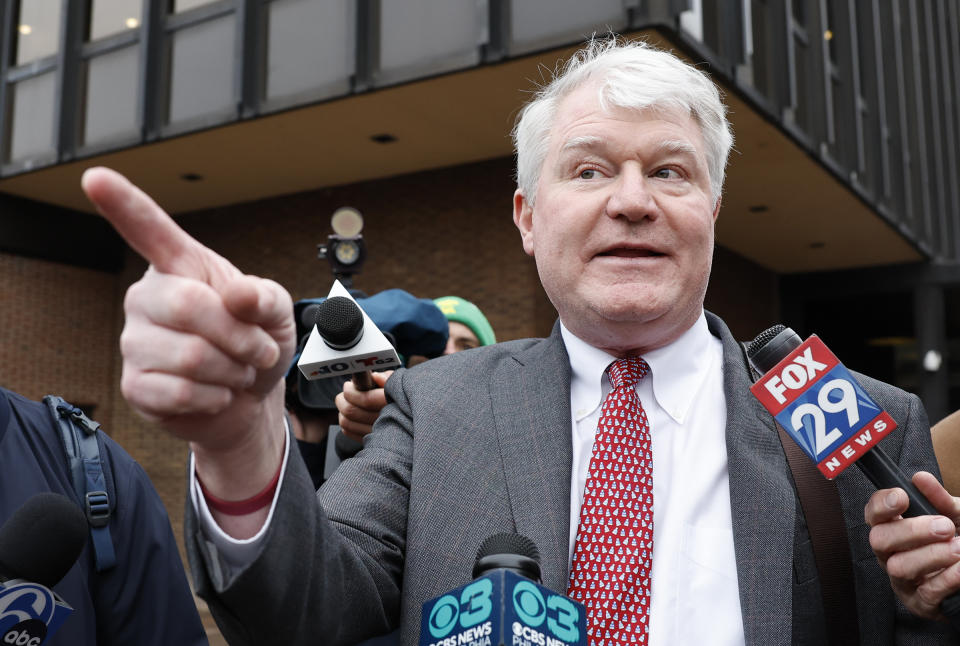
825,410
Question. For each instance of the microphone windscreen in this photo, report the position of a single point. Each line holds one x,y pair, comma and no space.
41,541
770,346
507,543
509,551
340,322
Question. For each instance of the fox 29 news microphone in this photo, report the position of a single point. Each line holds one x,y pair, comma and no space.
823,408
38,545
504,604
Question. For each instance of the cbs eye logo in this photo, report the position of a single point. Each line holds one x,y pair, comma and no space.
474,607
559,612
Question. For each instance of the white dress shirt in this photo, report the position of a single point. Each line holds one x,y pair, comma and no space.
694,593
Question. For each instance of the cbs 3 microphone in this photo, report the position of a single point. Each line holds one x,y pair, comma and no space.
504,604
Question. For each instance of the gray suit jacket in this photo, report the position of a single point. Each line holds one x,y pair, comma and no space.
479,443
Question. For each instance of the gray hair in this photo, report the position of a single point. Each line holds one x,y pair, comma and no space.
631,75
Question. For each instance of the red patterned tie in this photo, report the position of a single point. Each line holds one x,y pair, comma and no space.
612,558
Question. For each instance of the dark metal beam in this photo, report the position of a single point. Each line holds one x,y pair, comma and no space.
951,114
497,46
367,44
152,89
67,95
920,140
6,54
936,157
249,79
929,315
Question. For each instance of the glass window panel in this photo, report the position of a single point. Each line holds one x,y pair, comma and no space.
540,23
111,96
108,17
31,128
310,45
202,65
186,5
421,37
38,30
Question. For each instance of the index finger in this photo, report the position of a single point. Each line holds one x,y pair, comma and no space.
939,497
145,226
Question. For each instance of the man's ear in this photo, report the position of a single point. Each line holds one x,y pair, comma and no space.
523,218
716,209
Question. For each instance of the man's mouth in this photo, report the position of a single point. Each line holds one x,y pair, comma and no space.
630,252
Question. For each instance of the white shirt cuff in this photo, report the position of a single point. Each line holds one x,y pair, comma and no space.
235,552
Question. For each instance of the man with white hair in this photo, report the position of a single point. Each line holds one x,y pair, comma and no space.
635,409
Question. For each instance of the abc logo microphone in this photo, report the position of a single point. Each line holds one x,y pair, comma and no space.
504,604
38,545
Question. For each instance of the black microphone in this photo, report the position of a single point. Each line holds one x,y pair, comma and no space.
39,544
773,346
504,604
342,348
514,552
339,323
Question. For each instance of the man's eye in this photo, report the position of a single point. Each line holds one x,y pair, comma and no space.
666,173
588,173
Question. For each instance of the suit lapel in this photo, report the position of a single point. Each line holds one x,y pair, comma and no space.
532,393
763,504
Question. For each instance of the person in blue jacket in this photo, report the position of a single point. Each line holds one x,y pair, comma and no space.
144,599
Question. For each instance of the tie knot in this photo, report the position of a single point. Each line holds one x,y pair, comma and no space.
627,372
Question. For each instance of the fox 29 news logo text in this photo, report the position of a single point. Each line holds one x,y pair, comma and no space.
823,408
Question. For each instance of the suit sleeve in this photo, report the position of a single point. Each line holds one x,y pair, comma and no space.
145,598
328,570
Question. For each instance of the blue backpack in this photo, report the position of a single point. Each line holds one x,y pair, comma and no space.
79,437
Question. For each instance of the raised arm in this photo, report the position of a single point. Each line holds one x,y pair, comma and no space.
204,348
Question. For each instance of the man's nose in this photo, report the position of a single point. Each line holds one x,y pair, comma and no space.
631,197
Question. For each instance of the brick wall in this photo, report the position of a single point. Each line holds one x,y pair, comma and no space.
58,330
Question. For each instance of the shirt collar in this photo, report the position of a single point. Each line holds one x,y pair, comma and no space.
677,371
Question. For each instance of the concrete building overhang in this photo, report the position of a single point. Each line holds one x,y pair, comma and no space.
781,208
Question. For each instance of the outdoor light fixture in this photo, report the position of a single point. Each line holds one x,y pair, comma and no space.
345,249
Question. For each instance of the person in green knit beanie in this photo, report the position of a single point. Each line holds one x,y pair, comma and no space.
469,328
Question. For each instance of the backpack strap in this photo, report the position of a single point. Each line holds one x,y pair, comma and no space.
823,512
78,435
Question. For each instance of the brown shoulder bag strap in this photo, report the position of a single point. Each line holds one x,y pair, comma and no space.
823,512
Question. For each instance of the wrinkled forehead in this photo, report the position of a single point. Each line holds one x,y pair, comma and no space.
586,106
